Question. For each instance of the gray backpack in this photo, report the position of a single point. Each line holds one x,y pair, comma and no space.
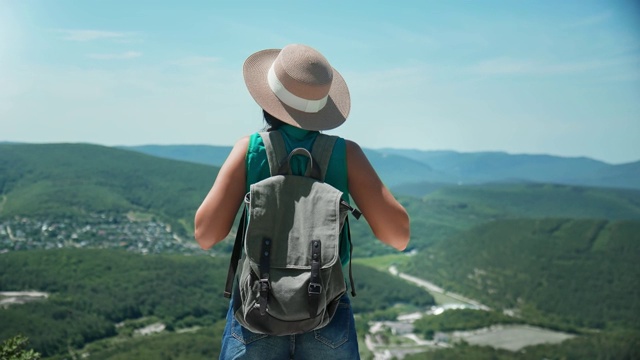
290,277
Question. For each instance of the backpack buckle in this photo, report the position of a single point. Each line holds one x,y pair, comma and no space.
264,286
314,289
264,295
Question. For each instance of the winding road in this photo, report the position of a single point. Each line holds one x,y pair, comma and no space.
431,287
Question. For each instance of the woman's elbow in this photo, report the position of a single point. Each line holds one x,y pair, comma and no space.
204,234
205,242
207,238
398,240
401,238
397,236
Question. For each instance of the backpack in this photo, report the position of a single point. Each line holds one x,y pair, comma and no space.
290,277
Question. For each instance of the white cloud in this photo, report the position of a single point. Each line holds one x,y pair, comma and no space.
196,60
399,34
511,66
120,56
91,35
504,66
591,20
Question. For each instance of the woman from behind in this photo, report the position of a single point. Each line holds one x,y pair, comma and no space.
301,95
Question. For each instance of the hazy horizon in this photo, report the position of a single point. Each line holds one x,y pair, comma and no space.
543,77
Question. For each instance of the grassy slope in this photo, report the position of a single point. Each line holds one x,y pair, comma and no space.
578,272
453,209
70,179
547,200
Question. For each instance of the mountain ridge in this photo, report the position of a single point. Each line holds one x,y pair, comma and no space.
401,167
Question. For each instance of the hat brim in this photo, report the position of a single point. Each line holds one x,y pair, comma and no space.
332,115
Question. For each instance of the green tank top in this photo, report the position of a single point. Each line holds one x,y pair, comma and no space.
258,166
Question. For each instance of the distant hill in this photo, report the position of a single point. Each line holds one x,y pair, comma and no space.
72,179
490,166
483,167
393,169
579,272
623,175
546,200
455,208
199,154
406,169
396,169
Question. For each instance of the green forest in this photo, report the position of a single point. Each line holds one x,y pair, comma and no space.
93,290
578,273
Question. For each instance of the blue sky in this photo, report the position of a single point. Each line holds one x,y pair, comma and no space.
552,77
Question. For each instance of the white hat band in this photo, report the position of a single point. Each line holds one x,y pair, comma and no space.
294,101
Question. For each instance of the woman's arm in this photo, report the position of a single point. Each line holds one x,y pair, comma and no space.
387,218
215,215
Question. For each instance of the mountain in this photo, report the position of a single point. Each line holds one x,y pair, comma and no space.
75,179
491,166
482,167
199,154
393,169
456,208
535,200
623,176
579,272
407,169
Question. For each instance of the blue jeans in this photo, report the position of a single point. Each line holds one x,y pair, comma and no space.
336,341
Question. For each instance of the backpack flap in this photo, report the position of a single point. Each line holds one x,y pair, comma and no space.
311,214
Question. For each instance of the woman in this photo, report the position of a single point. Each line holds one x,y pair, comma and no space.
300,94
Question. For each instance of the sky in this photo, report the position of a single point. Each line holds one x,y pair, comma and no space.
535,77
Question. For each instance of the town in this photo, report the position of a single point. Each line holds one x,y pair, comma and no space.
139,233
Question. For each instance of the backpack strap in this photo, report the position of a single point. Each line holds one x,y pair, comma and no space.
321,152
353,286
235,255
280,160
276,150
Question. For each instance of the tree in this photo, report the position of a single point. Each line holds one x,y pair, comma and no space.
15,348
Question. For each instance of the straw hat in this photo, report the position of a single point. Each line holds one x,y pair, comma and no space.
298,86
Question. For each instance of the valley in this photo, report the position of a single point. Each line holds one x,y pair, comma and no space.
96,249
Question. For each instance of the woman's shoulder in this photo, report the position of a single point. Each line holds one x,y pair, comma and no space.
353,149
243,142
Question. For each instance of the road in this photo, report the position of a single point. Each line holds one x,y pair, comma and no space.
431,287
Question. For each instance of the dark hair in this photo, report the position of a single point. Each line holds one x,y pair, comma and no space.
273,123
